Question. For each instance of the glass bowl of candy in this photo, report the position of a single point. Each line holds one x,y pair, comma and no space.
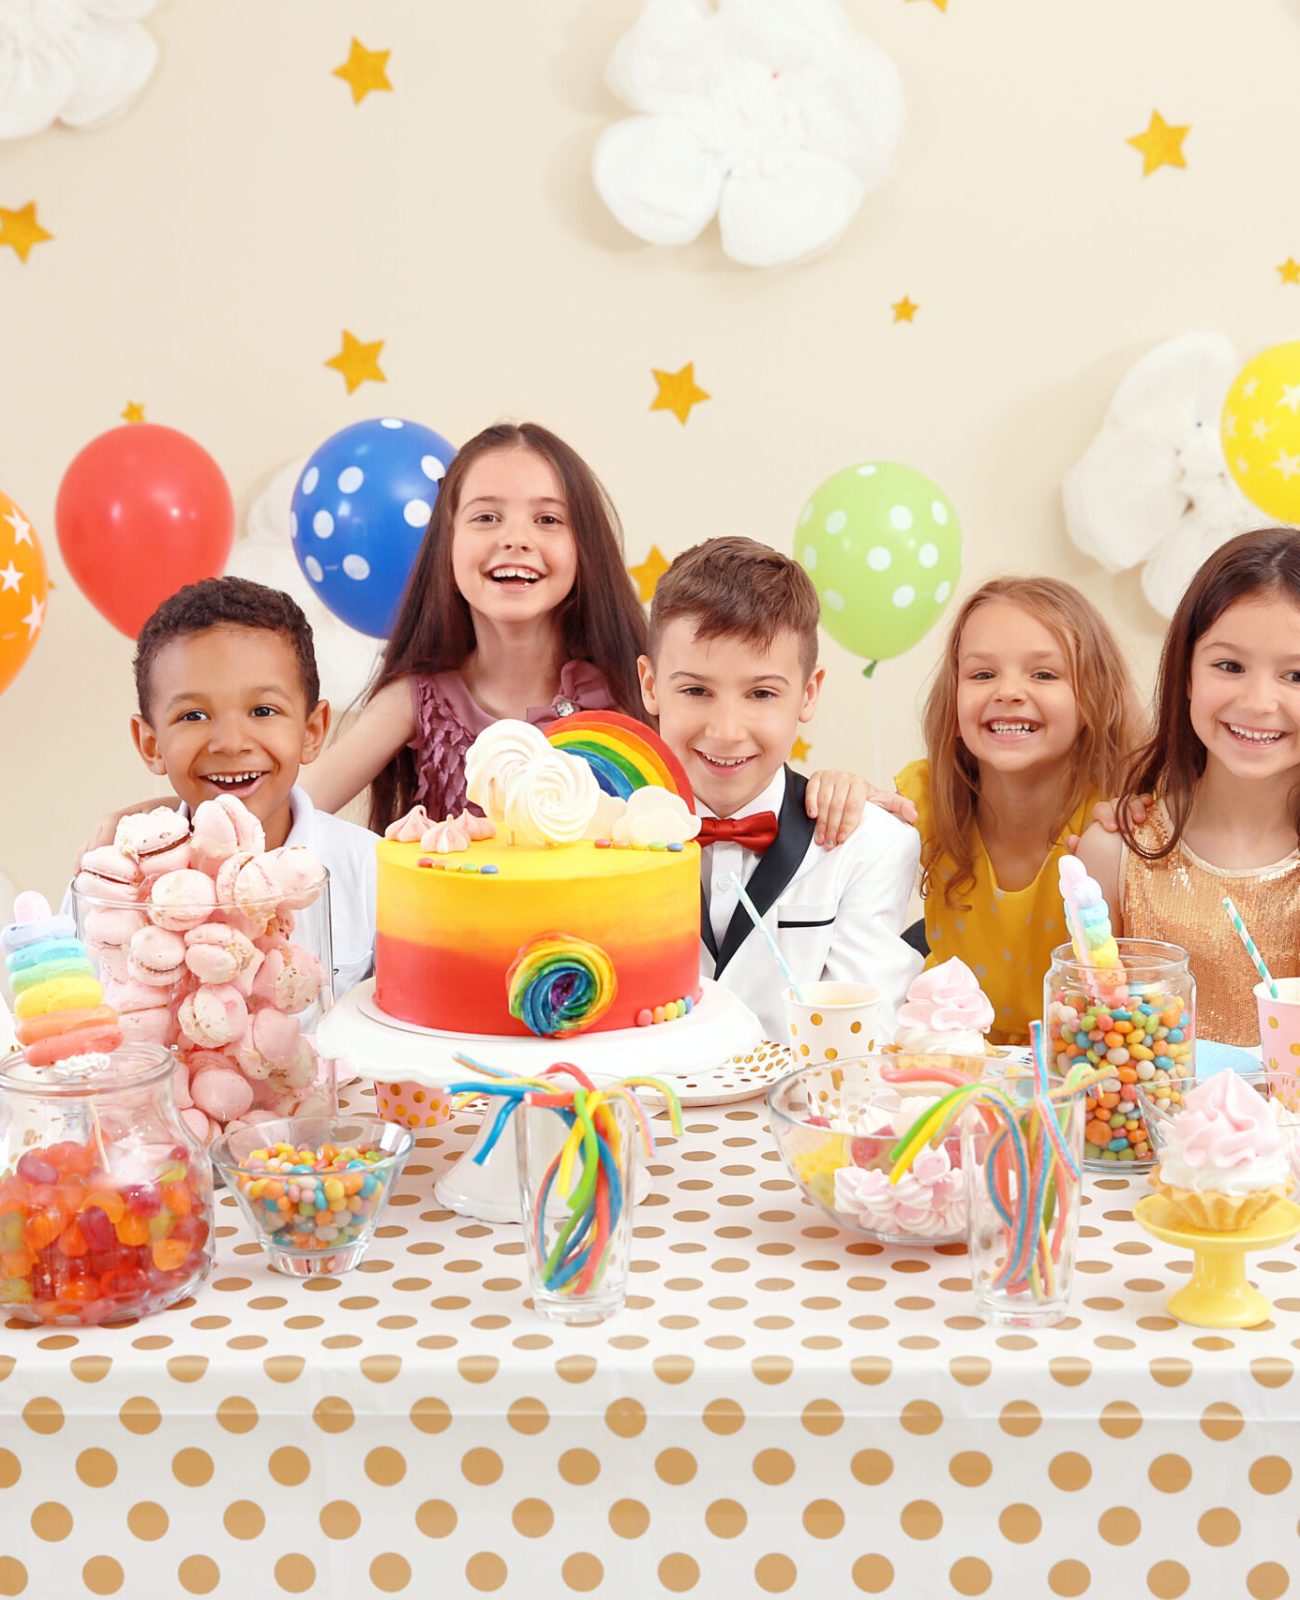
1138,1019
105,1194
835,1124
313,1188
1162,1105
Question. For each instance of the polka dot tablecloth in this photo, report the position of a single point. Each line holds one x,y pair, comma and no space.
781,1409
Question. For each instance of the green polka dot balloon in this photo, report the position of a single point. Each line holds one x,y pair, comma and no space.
882,545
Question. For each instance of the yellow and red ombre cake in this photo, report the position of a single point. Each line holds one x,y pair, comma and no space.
572,905
464,934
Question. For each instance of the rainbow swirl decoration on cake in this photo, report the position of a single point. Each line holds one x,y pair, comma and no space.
560,985
623,753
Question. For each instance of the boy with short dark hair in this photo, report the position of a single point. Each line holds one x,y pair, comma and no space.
229,703
731,674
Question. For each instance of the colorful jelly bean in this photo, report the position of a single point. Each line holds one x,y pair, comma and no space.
320,1199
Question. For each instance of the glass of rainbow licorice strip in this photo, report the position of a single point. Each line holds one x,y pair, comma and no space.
1022,1137
576,1141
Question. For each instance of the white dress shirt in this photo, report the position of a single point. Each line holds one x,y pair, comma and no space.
838,915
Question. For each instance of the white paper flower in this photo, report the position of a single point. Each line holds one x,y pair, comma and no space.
1153,489
777,115
76,61
345,657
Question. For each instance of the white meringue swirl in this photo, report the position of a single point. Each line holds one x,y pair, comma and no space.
550,800
495,756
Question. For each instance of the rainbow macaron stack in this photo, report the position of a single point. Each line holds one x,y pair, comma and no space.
58,1000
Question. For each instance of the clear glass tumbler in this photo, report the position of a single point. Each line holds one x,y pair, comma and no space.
1021,1246
1140,1022
577,1244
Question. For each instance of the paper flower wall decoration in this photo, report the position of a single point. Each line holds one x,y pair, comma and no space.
81,62
1153,489
265,554
775,115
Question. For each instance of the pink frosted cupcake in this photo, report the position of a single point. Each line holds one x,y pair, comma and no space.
946,1013
1223,1162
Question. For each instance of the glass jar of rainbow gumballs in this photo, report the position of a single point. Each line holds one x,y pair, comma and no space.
105,1194
1140,1019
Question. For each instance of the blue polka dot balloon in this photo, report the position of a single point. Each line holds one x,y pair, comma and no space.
360,512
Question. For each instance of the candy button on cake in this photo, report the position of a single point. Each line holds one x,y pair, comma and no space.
946,1013
566,908
1223,1163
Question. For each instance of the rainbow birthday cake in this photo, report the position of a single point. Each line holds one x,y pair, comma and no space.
572,905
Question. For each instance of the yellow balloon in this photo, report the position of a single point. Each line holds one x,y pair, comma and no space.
1261,431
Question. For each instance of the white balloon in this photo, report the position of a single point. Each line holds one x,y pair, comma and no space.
346,658
81,62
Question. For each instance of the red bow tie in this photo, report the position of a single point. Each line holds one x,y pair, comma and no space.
756,833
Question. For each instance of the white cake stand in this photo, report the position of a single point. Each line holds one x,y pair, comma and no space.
383,1049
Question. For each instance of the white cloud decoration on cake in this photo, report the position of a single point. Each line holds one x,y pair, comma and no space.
1153,489
345,658
655,816
80,62
777,116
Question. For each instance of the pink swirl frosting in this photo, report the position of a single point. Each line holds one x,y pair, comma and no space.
947,999
1225,1125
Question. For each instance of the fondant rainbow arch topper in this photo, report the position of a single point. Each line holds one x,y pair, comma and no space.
623,753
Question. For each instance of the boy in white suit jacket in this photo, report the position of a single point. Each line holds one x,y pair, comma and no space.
732,673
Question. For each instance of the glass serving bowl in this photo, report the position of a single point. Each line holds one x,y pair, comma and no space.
835,1124
313,1221
1162,1107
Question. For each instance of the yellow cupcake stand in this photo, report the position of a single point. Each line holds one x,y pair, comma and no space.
1219,1295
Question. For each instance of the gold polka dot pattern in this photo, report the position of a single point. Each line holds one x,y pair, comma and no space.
781,1409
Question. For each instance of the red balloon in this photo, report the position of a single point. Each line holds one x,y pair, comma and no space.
141,512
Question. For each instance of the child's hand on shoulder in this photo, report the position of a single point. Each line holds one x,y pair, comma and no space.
1106,815
836,800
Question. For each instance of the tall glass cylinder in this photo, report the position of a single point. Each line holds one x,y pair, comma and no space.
1139,1020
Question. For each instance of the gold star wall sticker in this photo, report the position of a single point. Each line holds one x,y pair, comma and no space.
133,411
904,310
20,230
1289,271
678,392
358,362
364,71
801,749
646,574
1161,145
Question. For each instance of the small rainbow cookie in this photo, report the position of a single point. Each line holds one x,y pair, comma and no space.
623,753
559,985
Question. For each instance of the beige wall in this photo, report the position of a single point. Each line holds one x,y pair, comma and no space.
210,247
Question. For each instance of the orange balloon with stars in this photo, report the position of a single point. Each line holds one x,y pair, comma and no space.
23,589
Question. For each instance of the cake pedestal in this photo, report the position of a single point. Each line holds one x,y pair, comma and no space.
1219,1294
383,1049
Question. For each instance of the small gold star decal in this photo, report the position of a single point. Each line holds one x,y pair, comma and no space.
800,749
358,362
941,5
646,574
1289,271
134,411
678,392
20,230
364,71
904,310
1161,145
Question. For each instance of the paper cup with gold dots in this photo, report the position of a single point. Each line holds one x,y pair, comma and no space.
833,1021
1279,1025
412,1105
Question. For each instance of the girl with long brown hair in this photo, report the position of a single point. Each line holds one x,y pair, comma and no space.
1028,723
1223,765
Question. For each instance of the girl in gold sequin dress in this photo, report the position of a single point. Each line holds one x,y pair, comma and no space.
1224,766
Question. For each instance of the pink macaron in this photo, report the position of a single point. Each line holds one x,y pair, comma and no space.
108,875
156,956
213,1015
221,1093
299,874
181,900
108,931
159,840
290,978
217,953
249,884
220,828
274,1042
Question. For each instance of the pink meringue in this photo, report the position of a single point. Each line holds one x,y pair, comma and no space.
247,883
298,874
945,1011
217,953
410,828
213,1015
159,840
197,1123
290,978
447,838
108,875
156,956
274,1041
221,827
108,933
221,1093
181,900
928,1202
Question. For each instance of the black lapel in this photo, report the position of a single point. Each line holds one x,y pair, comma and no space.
706,926
794,834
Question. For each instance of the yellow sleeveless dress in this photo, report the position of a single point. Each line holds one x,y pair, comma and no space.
1180,899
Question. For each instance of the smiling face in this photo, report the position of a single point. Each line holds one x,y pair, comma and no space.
728,708
1244,691
227,714
513,555
1016,709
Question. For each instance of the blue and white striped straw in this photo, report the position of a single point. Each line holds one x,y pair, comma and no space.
734,880
1252,950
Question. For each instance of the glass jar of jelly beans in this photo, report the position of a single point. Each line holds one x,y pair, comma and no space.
105,1195
1139,1019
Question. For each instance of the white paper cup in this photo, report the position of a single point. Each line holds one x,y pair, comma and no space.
1279,1024
833,1021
